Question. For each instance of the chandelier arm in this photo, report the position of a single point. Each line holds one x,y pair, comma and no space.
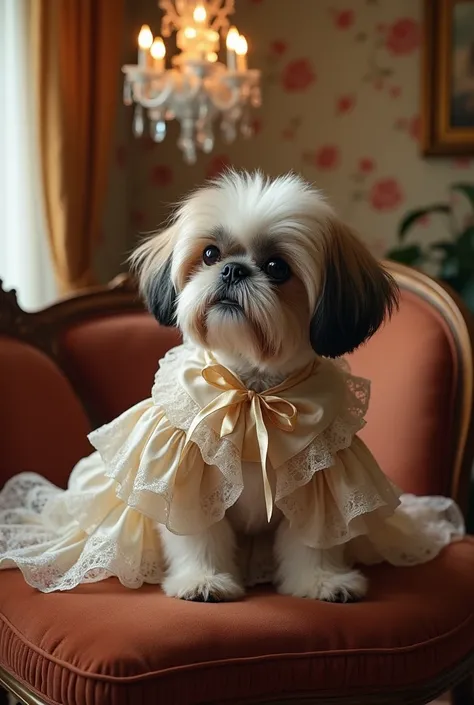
221,13
155,102
225,105
170,17
181,98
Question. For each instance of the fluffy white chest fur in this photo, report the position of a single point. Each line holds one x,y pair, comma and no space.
248,515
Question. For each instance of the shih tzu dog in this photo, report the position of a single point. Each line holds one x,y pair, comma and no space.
263,275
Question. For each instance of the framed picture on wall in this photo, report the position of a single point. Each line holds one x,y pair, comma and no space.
448,77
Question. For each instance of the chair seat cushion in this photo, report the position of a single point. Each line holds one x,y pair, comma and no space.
103,643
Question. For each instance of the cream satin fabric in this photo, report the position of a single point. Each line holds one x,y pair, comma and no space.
273,425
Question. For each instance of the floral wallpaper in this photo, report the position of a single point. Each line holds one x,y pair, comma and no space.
341,102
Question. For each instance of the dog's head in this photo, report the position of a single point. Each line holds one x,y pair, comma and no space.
262,270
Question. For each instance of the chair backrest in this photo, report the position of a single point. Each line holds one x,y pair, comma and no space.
420,419
102,348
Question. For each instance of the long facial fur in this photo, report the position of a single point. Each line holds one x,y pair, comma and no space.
337,297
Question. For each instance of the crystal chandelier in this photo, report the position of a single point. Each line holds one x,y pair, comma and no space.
198,90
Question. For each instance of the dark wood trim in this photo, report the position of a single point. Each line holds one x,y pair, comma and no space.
438,138
463,692
427,78
41,328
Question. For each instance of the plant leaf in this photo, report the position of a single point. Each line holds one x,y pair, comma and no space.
449,271
467,292
466,189
412,216
444,246
410,255
465,250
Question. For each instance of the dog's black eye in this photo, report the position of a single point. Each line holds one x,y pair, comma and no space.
277,269
211,255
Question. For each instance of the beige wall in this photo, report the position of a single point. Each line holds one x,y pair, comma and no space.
341,106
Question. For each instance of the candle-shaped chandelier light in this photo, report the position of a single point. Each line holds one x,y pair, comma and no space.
197,89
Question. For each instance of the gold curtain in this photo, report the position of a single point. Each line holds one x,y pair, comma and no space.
76,47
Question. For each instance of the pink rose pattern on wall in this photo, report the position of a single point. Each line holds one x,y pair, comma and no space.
341,105
297,76
402,37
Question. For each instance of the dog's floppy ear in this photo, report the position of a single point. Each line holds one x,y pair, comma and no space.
152,260
356,294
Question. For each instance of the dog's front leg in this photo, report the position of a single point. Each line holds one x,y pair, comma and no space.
202,567
318,574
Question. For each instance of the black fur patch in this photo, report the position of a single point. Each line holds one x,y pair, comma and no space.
349,312
161,296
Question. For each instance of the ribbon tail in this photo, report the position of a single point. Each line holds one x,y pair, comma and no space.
262,437
221,402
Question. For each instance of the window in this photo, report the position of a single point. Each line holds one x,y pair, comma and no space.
25,262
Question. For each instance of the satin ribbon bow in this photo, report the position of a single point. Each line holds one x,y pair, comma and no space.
262,407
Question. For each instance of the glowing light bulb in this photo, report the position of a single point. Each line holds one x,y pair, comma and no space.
190,32
145,38
241,48
199,14
158,53
158,49
212,57
232,38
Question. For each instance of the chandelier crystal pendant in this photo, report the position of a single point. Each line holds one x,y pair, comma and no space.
198,90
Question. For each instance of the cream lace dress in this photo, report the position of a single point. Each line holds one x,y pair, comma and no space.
176,459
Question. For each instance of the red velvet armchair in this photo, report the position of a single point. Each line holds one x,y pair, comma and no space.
81,362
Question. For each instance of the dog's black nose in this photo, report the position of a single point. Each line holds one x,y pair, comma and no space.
234,272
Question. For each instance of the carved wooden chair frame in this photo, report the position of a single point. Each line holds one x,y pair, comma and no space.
42,329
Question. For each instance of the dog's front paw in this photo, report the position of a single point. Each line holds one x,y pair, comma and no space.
204,587
327,586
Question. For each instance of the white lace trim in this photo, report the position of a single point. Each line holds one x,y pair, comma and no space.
321,453
180,411
416,533
51,562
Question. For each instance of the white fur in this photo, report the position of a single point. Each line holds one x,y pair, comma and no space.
203,566
287,211
295,219
309,572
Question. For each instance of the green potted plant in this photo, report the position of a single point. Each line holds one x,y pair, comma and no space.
452,258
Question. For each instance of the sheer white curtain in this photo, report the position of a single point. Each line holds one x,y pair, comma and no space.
25,263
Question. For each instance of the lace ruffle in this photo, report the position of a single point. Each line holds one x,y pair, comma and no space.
416,533
52,560
218,452
322,452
